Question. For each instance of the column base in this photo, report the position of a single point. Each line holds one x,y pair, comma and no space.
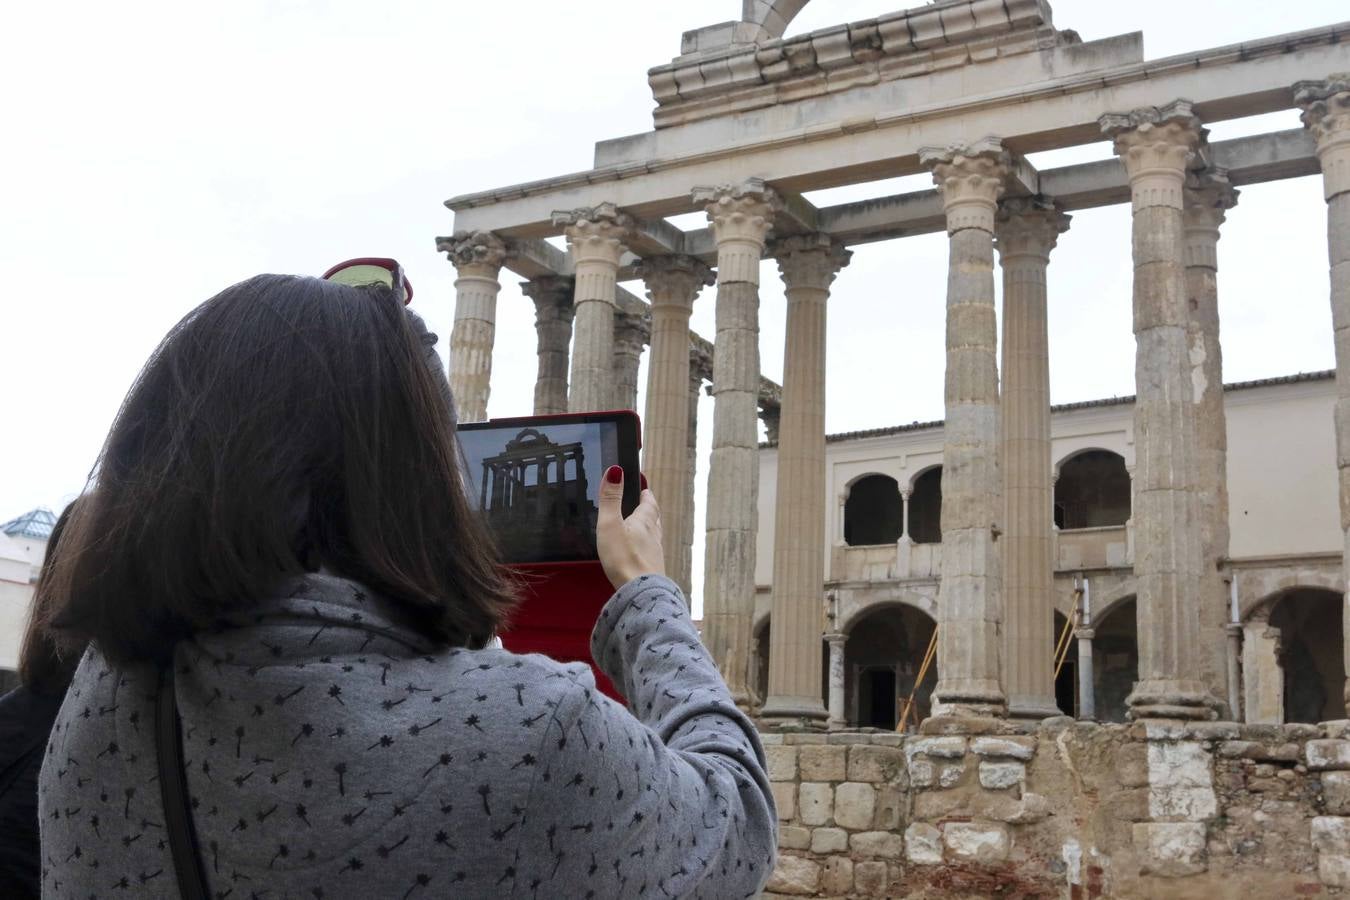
794,712
973,698
1168,699
1032,707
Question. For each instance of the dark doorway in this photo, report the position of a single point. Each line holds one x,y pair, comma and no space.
925,508
1066,682
1309,620
872,512
877,700
1115,661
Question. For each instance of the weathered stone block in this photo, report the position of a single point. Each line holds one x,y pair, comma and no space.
836,877
1333,869
923,844
1212,731
1015,747
815,803
829,840
1331,834
794,837
998,776
885,844
1171,849
869,879
1337,729
785,798
944,747
1181,785
854,805
822,762
976,842
1327,754
782,762
922,773
949,776
795,875
891,807
876,764
1336,792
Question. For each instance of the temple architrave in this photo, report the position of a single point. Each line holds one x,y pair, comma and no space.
1084,651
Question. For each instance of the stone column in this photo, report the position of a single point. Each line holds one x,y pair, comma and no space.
552,296
1234,662
1156,146
808,264
1027,231
1326,113
971,180
595,237
836,642
741,217
477,257
700,370
1208,194
1087,690
673,282
631,334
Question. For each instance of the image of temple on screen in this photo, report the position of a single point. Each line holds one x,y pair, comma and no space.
538,487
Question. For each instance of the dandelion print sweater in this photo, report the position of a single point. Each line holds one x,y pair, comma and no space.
332,752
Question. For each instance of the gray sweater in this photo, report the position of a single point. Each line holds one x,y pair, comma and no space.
333,752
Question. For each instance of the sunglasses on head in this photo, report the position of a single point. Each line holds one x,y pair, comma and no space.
373,270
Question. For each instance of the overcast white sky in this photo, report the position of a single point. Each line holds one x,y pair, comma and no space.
156,152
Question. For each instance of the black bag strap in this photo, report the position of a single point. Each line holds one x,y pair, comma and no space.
173,792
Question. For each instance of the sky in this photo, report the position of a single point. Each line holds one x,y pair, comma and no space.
157,152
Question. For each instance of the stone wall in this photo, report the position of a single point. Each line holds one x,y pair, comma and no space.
1065,810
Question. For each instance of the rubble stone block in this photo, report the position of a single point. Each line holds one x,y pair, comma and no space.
1327,754
782,762
1336,792
1016,747
822,762
829,840
923,844
1333,869
876,764
1331,834
795,875
885,844
794,837
869,879
785,798
836,878
1171,849
922,773
949,776
854,805
815,802
998,776
945,747
976,842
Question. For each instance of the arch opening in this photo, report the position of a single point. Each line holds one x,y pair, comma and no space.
1092,491
1115,660
925,508
882,657
1310,655
873,512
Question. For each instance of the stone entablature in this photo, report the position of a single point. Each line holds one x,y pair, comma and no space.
1064,809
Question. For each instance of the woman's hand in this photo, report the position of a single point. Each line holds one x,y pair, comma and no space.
628,547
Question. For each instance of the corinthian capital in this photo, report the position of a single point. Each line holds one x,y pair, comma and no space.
552,296
739,212
1326,113
1155,140
970,178
1208,196
674,279
477,250
632,331
1029,226
595,233
809,260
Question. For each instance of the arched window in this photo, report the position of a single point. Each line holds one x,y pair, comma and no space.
925,508
1093,491
872,512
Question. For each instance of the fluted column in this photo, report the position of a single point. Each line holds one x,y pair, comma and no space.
808,264
1326,113
477,257
632,331
970,179
1087,686
673,283
1026,233
836,642
1156,146
595,238
741,217
1207,196
552,296
700,370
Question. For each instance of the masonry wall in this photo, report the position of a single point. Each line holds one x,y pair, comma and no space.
1066,810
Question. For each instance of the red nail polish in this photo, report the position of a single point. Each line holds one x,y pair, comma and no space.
644,481
614,474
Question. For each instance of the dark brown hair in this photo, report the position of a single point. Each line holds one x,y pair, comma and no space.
46,662
285,424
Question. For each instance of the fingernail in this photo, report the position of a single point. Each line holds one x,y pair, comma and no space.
614,474
644,481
